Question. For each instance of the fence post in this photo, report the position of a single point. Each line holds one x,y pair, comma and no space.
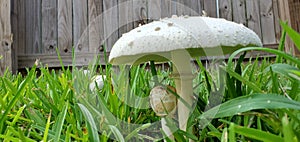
5,36
289,11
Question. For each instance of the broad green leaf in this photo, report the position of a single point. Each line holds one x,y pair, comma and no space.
118,135
91,125
250,102
60,122
257,134
135,132
289,135
287,70
269,50
295,36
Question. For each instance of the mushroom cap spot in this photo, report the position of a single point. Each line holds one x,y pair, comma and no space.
200,36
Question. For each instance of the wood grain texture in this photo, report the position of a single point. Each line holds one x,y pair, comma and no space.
95,25
196,9
64,33
225,9
267,22
166,10
49,26
111,22
276,20
209,6
140,9
15,29
82,59
125,16
80,30
154,10
33,26
253,16
239,11
5,37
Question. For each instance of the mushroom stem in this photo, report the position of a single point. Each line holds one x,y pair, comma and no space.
168,132
184,85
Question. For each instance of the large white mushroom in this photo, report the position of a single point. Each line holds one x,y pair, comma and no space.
178,39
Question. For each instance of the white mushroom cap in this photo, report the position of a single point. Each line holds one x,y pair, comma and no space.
199,35
97,80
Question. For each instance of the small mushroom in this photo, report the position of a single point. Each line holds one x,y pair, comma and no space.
187,38
97,80
164,102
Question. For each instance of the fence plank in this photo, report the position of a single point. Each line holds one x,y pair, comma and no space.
225,9
64,25
95,25
154,10
80,13
196,9
253,16
111,22
5,36
209,6
139,12
33,26
239,11
49,26
277,20
166,8
267,22
15,30
125,16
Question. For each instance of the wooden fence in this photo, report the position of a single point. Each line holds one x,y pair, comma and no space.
41,26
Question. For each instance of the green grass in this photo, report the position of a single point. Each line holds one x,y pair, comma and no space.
258,100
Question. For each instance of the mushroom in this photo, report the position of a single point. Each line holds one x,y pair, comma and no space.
179,39
97,80
163,102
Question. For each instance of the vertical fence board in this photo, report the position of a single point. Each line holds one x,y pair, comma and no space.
179,7
20,35
183,7
111,22
139,12
267,22
166,8
5,36
64,25
125,16
15,30
33,26
276,20
80,30
154,10
196,8
253,16
239,11
49,26
225,9
209,6
95,25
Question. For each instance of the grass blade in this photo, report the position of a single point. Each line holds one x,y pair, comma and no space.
257,134
91,125
47,128
250,102
295,36
60,121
